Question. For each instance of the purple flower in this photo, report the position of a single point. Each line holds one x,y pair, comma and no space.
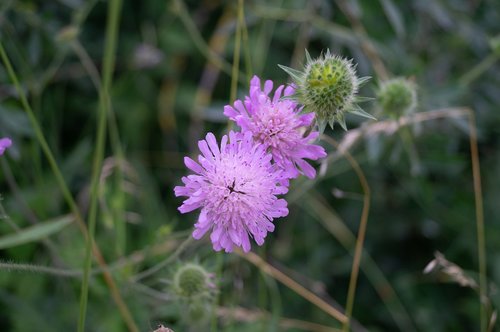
4,144
279,126
235,186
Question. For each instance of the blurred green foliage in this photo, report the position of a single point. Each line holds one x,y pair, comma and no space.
172,78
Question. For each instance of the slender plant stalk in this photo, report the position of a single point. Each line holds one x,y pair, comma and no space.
185,244
11,266
316,206
210,75
411,150
478,197
104,104
232,97
292,284
40,137
246,45
302,40
219,263
276,303
125,262
236,61
115,293
365,42
481,242
179,8
116,146
361,233
479,69
303,15
263,41
236,56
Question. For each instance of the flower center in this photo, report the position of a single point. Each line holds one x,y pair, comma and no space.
233,190
276,126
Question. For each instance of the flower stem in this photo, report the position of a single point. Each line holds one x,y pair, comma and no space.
236,55
361,233
104,104
479,69
481,242
115,293
292,284
64,273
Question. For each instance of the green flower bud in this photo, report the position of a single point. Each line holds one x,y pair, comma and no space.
397,97
328,87
495,44
192,281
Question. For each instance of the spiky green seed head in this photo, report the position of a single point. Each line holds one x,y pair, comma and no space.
192,281
328,86
397,97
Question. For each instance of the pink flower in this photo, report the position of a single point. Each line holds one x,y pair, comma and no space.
278,125
4,144
235,186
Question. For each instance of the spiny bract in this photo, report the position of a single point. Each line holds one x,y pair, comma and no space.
328,87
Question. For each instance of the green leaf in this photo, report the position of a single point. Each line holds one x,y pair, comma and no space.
322,126
362,99
359,111
308,57
35,233
363,80
341,121
295,74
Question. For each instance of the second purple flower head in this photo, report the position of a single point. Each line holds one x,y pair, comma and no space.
278,125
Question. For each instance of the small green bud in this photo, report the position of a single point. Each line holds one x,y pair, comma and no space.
495,44
328,87
192,281
397,97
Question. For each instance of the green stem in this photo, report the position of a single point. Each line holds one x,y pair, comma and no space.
479,69
316,206
409,146
219,263
108,66
246,45
9,266
93,74
481,242
236,56
358,251
165,262
65,190
180,9
39,135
